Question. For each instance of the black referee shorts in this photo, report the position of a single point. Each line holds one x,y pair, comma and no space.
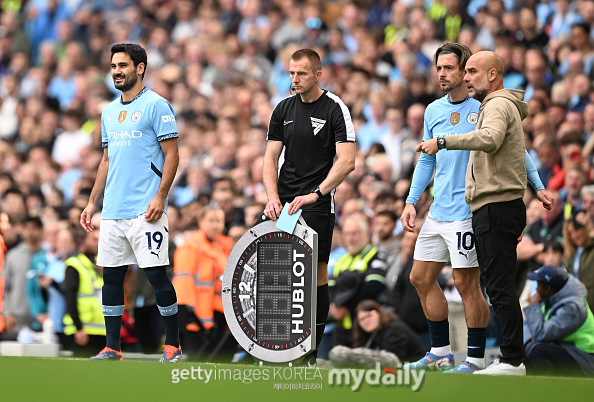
323,224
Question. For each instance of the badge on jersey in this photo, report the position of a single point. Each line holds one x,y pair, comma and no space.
122,116
455,118
317,124
136,116
472,118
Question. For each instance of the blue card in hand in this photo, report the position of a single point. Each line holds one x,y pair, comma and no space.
287,222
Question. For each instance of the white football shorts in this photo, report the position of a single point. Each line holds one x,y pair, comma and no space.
134,241
447,241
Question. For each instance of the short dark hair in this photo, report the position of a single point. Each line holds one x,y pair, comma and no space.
389,214
313,57
35,220
462,52
554,246
584,26
135,51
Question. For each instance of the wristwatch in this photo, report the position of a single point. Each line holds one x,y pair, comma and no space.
441,144
318,192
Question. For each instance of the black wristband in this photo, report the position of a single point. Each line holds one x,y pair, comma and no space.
318,192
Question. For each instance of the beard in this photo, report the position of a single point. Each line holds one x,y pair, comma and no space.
129,82
481,92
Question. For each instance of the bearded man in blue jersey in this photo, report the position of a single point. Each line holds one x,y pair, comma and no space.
447,234
140,158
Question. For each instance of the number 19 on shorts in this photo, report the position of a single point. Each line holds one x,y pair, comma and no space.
157,238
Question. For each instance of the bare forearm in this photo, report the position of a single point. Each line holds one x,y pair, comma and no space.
100,181
528,250
270,178
340,170
169,170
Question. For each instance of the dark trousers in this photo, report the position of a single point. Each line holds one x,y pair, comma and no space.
550,359
497,227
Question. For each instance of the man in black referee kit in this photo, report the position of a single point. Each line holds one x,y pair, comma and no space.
314,126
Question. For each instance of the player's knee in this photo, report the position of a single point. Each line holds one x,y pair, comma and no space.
419,280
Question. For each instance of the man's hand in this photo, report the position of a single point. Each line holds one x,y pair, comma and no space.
86,216
302,200
41,318
429,147
81,337
408,217
44,280
535,298
155,209
546,199
338,312
273,209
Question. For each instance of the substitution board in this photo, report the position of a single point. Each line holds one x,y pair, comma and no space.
269,291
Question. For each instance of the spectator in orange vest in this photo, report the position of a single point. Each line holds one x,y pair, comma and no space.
198,267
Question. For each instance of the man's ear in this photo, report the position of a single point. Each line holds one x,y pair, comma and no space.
318,75
140,68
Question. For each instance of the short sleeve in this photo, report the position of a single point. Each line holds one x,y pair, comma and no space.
275,127
163,120
344,131
104,139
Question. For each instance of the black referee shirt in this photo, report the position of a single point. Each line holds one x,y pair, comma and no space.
309,132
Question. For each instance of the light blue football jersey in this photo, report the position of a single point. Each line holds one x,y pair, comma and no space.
442,119
131,131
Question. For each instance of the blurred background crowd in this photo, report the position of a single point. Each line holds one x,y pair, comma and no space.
223,66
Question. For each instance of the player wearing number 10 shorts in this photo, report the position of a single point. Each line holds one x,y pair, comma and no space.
447,233
140,158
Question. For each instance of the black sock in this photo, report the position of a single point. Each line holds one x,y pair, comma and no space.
477,338
113,325
321,312
113,304
439,332
166,302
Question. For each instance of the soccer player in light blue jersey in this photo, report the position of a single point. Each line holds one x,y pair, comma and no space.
447,233
140,158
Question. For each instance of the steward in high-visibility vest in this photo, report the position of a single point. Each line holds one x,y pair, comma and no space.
89,313
559,325
358,275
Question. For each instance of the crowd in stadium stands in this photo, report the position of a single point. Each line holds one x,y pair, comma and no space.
223,66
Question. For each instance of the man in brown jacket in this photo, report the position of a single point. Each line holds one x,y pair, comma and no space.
495,184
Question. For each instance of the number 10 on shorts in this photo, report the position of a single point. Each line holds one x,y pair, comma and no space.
465,240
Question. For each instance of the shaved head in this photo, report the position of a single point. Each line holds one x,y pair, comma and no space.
489,60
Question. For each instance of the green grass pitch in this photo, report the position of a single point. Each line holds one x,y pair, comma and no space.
61,379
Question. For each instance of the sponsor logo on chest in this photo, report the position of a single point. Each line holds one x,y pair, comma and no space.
317,124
